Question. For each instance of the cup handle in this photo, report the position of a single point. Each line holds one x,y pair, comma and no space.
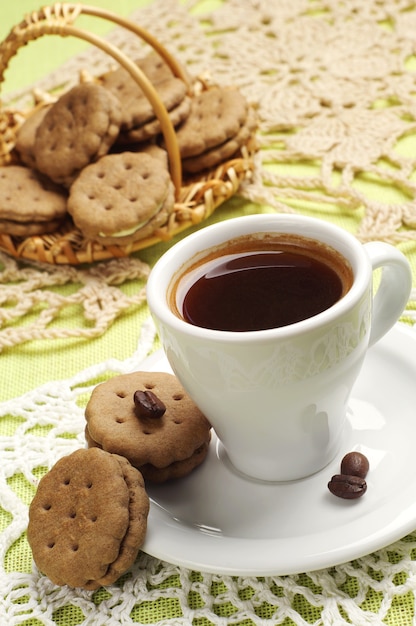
394,289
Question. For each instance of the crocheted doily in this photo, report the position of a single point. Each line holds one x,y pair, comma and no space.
334,84
334,87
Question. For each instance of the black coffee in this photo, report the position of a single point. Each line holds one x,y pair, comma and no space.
280,284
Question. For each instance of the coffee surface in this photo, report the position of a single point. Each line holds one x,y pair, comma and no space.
257,290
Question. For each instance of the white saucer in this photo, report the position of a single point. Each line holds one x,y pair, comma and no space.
215,520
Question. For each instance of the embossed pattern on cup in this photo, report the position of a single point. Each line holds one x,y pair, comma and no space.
278,398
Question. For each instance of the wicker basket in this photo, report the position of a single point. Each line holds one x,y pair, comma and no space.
196,197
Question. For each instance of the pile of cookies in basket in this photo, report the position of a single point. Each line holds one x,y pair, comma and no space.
88,518
96,156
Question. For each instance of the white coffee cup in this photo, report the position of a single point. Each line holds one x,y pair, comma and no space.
277,398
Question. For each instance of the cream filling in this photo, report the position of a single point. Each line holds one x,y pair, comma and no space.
126,232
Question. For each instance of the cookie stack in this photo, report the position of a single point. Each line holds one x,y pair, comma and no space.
162,446
219,124
88,518
139,122
93,150
30,203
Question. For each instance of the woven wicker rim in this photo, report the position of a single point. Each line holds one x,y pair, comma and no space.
195,200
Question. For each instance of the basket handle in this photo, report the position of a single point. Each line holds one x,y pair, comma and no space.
58,20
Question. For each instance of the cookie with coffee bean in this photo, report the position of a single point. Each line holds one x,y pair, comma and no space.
88,519
148,418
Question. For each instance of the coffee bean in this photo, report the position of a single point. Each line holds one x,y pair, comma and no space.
355,464
346,486
148,405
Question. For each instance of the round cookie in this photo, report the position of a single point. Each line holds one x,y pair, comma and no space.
164,447
115,199
88,519
25,137
146,228
214,156
216,115
78,129
151,129
29,229
136,108
30,203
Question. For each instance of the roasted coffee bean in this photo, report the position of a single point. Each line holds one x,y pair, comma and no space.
345,486
148,405
355,464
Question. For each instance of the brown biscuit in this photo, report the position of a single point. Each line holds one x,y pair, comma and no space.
216,115
215,156
148,147
152,128
169,446
147,228
177,469
25,137
29,201
88,519
77,130
119,195
157,152
29,229
136,108
136,531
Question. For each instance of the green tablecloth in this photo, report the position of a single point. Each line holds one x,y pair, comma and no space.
323,153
